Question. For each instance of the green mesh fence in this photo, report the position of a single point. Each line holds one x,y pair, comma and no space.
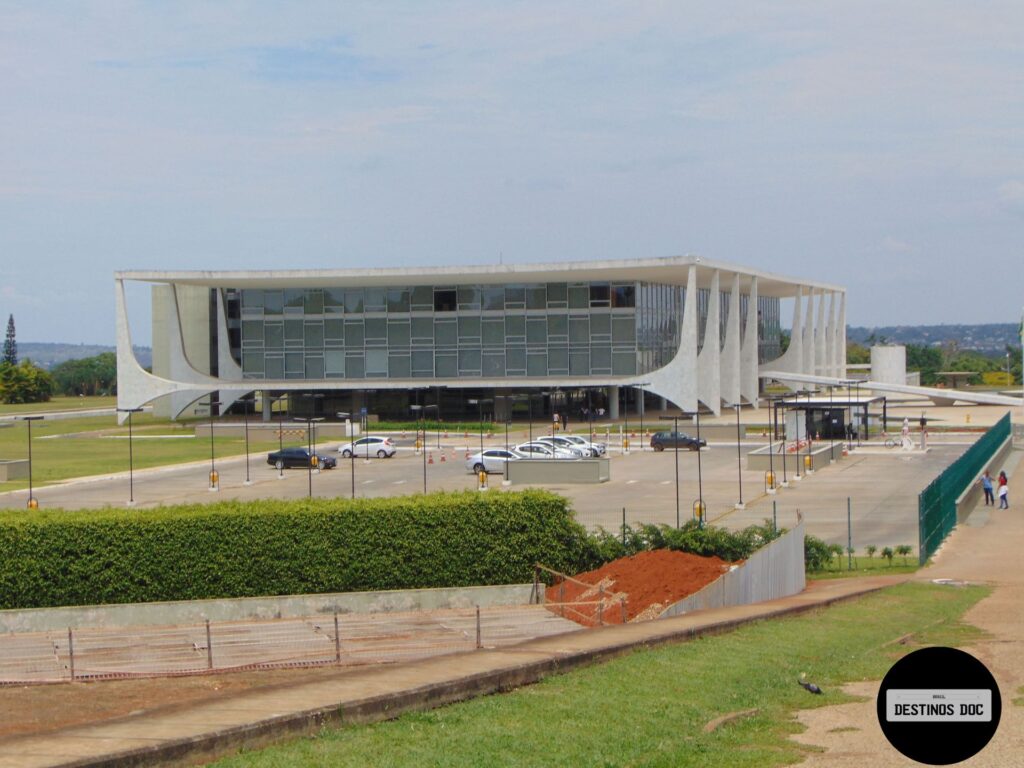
936,504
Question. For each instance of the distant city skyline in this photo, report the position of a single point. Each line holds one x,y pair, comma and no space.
871,146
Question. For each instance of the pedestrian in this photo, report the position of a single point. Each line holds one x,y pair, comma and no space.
565,421
986,486
555,421
1004,491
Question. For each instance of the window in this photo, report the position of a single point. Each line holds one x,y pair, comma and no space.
494,297
579,297
274,367
399,366
422,298
600,295
273,335
515,329
623,329
558,360
446,333
376,331
579,330
447,366
469,297
444,299
293,331
314,367
334,300
334,330
469,362
494,364
624,295
398,333
515,297
536,330
579,362
600,326
252,333
469,330
558,327
334,363
422,330
355,366
354,301
375,299
423,364
314,302
273,302
294,298
376,363
558,295
252,363
537,364
536,297
314,337
493,331
354,333
398,300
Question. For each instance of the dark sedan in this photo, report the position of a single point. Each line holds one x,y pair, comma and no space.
662,440
289,458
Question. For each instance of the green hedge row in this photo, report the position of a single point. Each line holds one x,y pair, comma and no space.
273,547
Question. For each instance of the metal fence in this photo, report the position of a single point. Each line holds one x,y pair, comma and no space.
936,504
776,570
210,647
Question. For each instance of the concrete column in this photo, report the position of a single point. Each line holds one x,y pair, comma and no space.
613,402
662,404
267,403
639,400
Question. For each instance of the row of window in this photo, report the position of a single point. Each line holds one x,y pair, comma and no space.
382,363
417,331
428,298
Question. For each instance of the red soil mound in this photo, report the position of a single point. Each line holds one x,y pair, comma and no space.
648,582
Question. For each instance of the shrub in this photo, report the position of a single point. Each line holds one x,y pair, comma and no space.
887,553
274,547
871,549
817,554
903,550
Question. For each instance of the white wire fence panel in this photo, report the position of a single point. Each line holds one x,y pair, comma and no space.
198,649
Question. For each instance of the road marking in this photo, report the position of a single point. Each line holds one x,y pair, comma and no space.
399,482
367,482
630,482
666,482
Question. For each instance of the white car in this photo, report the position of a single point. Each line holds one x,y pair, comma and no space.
381,447
596,449
537,450
492,460
559,441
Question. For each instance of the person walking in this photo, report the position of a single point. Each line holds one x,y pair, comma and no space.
1004,491
986,486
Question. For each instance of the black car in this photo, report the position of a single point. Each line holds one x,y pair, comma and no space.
288,458
662,440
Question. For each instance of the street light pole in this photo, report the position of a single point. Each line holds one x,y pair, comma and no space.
739,456
32,502
131,458
675,433
214,477
352,452
245,418
310,450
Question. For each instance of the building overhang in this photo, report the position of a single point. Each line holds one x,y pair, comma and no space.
672,270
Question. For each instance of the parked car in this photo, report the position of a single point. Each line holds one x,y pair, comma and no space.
381,447
565,444
289,458
662,440
492,460
600,448
536,450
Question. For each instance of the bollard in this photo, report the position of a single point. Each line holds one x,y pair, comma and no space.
479,635
700,509
625,445
600,605
71,654
482,477
769,482
337,640
808,464
32,503
214,479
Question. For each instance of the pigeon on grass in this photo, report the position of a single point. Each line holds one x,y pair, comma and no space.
809,686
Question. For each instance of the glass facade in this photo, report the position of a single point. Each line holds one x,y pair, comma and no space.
595,329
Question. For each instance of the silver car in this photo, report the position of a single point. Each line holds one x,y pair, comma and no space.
565,444
492,460
596,449
537,450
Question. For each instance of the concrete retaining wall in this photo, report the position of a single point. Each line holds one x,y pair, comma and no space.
774,571
821,454
558,471
251,608
966,500
13,469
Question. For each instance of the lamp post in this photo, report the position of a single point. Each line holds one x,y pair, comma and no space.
280,421
479,403
246,402
643,408
214,477
351,453
831,430
311,450
675,432
131,458
32,502
422,418
739,456
700,472
1009,381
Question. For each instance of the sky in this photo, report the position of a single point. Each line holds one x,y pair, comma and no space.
876,145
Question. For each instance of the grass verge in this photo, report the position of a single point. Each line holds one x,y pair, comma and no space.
650,707
866,566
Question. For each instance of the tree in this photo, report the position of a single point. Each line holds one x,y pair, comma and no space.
927,360
10,345
857,354
87,376
24,383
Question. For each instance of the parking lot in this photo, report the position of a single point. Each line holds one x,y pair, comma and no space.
882,485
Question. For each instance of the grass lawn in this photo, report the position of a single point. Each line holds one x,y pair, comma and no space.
650,707
61,403
867,566
95,445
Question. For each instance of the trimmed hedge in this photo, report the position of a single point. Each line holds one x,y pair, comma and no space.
273,547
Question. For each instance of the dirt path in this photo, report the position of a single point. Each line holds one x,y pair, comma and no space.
986,549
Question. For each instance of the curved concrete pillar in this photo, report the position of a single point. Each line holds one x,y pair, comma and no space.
731,360
749,389
709,361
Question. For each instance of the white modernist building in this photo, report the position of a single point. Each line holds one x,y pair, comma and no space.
692,331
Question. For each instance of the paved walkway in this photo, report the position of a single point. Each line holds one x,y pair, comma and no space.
986,549
259,717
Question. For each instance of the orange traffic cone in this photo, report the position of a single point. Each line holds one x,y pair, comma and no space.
442,457
430,458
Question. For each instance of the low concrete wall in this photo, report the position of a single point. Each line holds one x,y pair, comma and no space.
821,453
13,469
965,501
251,608
774,571
558,471
292,430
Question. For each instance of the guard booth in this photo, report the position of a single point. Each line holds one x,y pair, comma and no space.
836,417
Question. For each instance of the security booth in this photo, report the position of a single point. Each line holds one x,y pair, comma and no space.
839,416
